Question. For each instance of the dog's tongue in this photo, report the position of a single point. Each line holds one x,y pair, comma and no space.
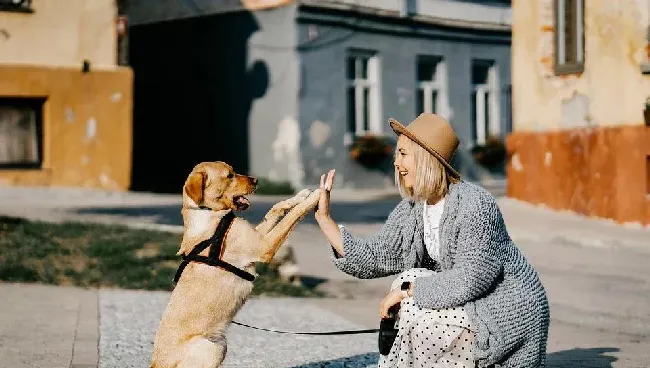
242,202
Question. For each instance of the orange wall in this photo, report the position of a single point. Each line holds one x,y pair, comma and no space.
601,172
87,127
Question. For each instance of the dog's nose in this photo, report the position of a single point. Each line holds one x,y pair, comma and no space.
254,181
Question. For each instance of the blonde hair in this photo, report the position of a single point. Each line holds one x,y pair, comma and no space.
431,180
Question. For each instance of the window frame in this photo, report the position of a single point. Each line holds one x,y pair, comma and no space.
562,67
37,104
25,6
482,129
371,83
437,83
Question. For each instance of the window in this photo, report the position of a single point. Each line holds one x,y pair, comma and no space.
507,95
569,36
24,6
485,101
122,31
363,97
20,132
431,95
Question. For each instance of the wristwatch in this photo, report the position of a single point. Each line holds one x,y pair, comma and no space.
406,285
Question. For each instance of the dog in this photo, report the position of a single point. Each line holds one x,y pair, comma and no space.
206,298
286,265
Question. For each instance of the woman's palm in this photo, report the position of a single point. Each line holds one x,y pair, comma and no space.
326,183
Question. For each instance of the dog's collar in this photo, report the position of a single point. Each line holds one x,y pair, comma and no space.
216,250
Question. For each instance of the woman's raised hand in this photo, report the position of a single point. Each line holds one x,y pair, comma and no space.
326,184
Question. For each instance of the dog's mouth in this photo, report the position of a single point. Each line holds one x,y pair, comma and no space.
241,203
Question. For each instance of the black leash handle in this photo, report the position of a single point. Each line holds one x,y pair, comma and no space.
346,332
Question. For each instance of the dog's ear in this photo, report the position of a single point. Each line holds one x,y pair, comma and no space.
194,186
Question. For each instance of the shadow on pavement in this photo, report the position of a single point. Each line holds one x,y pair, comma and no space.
584,358
346,212
312,282
355,361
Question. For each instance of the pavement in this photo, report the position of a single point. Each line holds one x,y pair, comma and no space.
595,272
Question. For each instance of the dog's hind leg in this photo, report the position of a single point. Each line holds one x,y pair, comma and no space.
203,353
280,209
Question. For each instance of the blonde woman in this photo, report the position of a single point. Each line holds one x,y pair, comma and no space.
467,296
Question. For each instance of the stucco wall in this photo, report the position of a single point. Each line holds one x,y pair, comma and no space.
579,140
610,92
86,126
323,85
60,33
236,83
275,133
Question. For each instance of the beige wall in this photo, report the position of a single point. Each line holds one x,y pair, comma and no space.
87,126
60,33
610,92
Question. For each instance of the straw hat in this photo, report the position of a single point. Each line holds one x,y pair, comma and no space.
434,134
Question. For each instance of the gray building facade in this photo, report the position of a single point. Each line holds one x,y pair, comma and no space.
283,92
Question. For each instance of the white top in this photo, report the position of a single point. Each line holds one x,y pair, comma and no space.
432,214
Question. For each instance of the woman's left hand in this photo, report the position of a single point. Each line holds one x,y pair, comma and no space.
394,297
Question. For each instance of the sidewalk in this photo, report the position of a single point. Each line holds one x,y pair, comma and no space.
48,326
538,223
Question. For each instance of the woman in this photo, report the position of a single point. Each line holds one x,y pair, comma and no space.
467,295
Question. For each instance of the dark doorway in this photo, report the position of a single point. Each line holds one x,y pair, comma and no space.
193,91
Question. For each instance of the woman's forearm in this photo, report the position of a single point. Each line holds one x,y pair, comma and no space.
332,232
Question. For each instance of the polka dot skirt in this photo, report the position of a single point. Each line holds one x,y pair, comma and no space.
429,338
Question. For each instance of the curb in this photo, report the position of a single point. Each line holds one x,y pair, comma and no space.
85,349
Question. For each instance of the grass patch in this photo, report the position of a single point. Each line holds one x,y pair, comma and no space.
93,255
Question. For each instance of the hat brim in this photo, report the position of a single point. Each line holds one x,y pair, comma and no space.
399,128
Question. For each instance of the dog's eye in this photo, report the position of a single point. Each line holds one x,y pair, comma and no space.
230,176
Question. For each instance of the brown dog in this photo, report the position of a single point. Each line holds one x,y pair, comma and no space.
206,298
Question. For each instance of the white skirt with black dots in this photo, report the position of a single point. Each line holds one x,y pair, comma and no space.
429,338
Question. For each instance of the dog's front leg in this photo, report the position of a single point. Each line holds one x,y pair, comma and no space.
280,209
278,234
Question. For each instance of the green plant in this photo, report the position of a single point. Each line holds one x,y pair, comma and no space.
270,187
370,149
490,154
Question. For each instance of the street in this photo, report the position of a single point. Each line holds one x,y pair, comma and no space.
595,274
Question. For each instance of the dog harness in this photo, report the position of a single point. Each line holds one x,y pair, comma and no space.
216,251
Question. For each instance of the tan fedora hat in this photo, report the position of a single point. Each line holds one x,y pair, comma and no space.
434,134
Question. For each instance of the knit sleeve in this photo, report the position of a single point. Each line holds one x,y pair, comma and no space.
377,255
477,262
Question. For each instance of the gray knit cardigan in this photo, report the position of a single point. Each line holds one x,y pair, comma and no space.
481,269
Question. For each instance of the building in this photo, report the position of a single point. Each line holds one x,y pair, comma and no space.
580,142
281,89
65,104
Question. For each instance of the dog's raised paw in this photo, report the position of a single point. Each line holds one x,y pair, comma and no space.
303,193
314,196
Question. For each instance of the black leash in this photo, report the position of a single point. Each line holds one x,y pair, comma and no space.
347,332
214,258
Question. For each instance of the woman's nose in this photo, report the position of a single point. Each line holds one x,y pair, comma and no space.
396,162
